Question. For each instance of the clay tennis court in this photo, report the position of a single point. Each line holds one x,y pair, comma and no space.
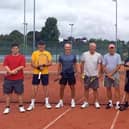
64,118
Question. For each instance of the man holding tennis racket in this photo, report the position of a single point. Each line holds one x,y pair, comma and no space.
13,82
41,60
90,70
66,73
111,64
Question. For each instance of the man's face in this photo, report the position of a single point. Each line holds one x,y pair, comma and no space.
15,50
112,50
41,47
68,48
92,47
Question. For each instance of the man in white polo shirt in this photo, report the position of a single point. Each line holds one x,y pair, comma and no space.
90,68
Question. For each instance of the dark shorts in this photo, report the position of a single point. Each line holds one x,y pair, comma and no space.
11,86
70,80
127,86
91,82
44,79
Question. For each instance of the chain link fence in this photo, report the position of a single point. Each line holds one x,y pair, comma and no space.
58,48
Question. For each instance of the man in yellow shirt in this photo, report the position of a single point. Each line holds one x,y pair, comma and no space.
40,68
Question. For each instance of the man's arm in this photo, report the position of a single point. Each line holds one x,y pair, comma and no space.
8,69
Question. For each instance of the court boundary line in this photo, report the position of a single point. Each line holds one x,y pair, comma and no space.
116,116
60,116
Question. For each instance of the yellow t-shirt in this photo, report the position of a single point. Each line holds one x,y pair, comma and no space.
34,58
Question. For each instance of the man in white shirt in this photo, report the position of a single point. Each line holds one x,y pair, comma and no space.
90,69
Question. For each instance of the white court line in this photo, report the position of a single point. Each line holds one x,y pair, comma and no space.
56,119
116,116
60,116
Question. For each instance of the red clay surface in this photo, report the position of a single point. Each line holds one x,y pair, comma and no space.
65,118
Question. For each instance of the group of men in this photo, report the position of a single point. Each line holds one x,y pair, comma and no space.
92,68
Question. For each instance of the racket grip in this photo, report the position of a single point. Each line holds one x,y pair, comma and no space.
39,75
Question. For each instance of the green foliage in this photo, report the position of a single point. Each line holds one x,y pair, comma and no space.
50,31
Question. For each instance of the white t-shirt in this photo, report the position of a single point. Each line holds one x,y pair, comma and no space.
91,63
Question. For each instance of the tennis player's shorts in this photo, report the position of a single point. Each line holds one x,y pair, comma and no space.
44,80
11,86
91,82
70,80
108,82
127,86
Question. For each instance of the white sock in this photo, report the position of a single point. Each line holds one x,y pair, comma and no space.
117,103
110,101
46,100
86,102
32,101
60,101
72,100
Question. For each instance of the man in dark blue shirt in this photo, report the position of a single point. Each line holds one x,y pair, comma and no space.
126,101
66,73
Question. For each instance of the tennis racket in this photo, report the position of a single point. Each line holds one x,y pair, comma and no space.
42,62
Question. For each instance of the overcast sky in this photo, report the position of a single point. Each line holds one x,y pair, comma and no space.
91,18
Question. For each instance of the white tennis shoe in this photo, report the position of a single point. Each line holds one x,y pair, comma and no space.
73,104
6,110
31,107
22,109
84,105
59,105
97,105
48,106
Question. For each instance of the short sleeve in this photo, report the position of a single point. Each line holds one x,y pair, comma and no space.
60,60
83,57
5,63
119,59
33,57
75,59
100,58
49,56
104,60
23,61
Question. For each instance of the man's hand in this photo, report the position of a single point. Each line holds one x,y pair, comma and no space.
109,75
13,72
41,67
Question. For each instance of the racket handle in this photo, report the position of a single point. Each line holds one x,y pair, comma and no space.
39,75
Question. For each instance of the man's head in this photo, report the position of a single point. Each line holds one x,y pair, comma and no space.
92,47
111,49
67,48
41,45
15,48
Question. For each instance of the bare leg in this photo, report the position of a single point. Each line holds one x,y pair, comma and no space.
72,87
62,87
46,93
95,94
34,91
8,99
86,94
20,98
117,93
109,93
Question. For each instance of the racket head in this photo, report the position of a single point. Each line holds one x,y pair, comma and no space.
42,59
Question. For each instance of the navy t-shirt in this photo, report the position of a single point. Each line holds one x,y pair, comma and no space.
127,72
67,62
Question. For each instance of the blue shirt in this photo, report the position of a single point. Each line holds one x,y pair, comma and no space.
67,62
111,61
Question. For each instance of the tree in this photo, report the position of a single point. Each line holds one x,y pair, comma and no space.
15,36
50,32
